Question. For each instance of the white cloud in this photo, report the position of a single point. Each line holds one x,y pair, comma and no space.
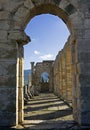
36,52
46,57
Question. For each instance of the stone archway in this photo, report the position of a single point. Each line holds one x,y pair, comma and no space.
44,82
14,17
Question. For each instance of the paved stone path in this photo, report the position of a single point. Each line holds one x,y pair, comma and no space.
48,112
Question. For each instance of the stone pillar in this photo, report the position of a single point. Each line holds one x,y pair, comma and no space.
11,77
58,75
68,72
20,84
55,78
51,79
8,80
58,89
32,73
63,69
74,89
54,82
55,74
25,90
60,81
81,78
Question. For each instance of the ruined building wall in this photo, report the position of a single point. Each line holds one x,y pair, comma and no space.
45,66
37,75
63,73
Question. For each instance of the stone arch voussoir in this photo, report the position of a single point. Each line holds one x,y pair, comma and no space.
64,9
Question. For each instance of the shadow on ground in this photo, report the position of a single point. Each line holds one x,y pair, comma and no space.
47,112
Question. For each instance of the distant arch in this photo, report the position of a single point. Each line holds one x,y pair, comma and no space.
44,77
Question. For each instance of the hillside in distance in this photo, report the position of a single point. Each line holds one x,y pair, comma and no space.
26,73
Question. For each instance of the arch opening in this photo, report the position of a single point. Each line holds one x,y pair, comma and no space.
46,32
69,14
44,86
44,77
48,9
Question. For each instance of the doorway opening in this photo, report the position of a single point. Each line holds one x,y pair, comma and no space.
44,81
41,78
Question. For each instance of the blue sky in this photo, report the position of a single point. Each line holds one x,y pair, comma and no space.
48,35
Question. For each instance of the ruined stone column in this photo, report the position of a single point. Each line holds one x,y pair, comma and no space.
68,59
60,74
63,69
32,73
20,83
55,78
54,81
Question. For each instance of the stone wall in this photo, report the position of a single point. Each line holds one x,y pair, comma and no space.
40,67
63,73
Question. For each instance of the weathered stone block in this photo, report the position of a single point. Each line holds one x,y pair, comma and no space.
84,57
12,6
83,45
3,34
1,7
77,20
86,10
28,4
57,2
79,32
7,81
17,25
8,106
4,25
7,118
84,80
22,12
20,36
83,68
70,9
8,51
85,105
83,93
63,4
15,35
84,118
4,15
87,33
87,23
7,97
8,73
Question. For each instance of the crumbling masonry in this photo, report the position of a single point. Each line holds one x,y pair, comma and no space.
72,72
37,70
